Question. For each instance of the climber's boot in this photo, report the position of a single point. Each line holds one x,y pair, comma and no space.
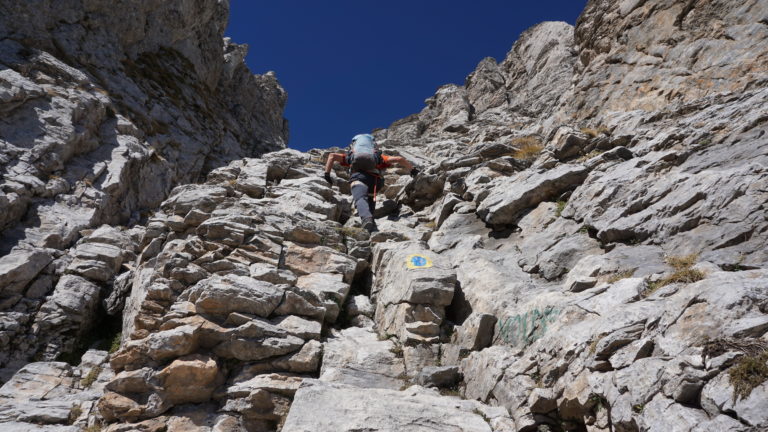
369,225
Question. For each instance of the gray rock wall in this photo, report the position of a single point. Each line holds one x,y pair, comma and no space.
105,108
589,223
645,55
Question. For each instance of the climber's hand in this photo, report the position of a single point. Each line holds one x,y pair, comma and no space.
328,178
414,172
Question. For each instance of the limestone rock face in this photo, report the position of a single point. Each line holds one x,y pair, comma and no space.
644,55
55,396
127,106
232,300
583,249
372,410
105,109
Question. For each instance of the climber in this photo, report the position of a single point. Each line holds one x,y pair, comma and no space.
366,166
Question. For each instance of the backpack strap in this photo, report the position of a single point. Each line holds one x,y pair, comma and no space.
375,184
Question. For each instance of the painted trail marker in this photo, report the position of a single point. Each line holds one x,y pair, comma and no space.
417,261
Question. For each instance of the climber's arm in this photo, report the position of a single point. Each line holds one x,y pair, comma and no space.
333,158
399,160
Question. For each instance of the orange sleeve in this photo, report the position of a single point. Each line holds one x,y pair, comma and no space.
384,162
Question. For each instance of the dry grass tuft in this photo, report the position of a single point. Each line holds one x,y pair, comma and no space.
589,156
748,373
682,262
615,277
354,232
684,273
593,132
89,379
74,413
687,275
528,147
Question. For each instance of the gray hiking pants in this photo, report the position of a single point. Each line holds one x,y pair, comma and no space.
363,187
364,202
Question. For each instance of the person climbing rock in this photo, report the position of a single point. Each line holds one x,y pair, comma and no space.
366,166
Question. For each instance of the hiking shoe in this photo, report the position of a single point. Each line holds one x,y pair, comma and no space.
370,225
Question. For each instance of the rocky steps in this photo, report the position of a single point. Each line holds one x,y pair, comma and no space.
592,211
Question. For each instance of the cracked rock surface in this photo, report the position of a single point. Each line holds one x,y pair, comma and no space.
583,250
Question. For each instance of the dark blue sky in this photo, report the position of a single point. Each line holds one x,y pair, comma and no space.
351,66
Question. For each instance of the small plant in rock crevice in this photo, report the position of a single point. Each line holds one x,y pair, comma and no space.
560,206
397,350
619,275
747,374
481,414
74,413
749,346
114,344
539,380
528,147
353,232
450,391
593,132
593,344
683,273
682,262
589,156
599,402
464,353
92,376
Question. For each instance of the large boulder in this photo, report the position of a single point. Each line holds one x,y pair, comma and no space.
348,408
507,197
222,295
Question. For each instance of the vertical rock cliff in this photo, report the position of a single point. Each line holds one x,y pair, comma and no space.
583,250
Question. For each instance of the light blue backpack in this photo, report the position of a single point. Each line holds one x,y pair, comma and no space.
363,154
